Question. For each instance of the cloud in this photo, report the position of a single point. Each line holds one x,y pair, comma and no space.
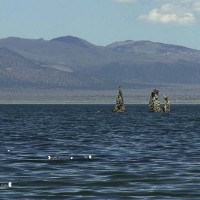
180,12
196,6
125,1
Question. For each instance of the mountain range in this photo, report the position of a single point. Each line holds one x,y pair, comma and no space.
73,63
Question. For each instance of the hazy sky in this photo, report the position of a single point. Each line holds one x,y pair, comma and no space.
103,21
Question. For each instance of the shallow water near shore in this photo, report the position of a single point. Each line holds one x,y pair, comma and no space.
135,155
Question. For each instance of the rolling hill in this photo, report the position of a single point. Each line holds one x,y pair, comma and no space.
73,63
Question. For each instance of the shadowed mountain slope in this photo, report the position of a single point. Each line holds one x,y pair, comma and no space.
71,62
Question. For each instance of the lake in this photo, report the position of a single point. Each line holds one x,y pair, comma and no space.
135,155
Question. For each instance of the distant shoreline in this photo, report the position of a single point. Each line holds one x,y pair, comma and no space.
177,95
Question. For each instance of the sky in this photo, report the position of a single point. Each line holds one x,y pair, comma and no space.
103,22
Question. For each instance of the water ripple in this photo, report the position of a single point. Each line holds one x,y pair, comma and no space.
135,155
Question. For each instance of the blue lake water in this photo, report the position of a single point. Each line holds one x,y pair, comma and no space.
135,155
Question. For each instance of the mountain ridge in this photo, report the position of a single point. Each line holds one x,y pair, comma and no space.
74,63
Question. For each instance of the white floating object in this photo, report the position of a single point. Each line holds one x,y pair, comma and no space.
88,157
71,158
52,157
6,185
